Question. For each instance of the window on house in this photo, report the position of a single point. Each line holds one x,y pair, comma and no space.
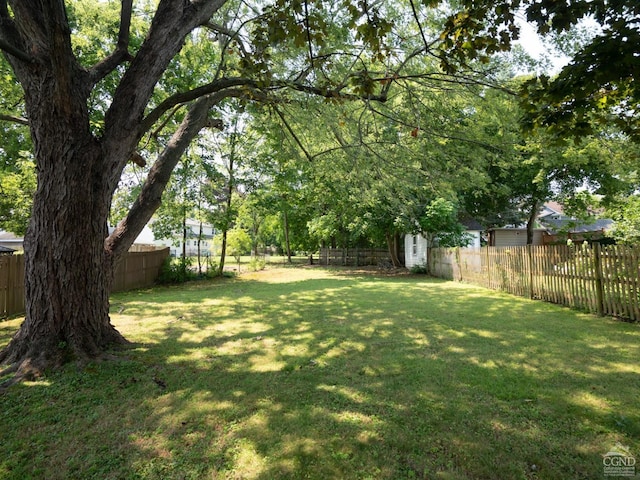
414,248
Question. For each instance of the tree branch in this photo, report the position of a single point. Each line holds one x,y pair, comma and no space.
335,93
290,130
125,24
11,118
172,22
16,52
184,97
415,16
7,27
229,33
150,196
121,53
308,27
249,84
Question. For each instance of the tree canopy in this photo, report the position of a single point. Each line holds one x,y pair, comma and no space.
597,87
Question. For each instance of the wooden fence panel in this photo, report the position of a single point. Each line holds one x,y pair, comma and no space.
136,270
602,280
139,269
357,257
11,285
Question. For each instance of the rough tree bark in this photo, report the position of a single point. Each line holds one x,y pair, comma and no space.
69,264
531,220
393,247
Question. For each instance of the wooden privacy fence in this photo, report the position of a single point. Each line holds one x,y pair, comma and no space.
139,269
136,270
354,256
11,284
600,279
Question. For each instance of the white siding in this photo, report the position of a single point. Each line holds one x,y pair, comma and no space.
415,256
475,238
415,251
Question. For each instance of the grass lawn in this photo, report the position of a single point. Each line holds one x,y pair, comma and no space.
322,374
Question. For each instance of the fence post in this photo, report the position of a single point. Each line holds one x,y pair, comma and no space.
12,297
598,271
530,266
488,285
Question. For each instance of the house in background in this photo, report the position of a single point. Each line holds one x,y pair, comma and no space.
146,237
6,250
191,247
415,246
553,227
561,227
9,240
514,237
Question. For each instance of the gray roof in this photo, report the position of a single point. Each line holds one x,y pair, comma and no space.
6,250
573,226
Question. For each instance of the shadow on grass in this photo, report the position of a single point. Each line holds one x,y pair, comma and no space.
349,377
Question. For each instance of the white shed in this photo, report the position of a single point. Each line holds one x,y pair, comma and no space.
415,250
415,246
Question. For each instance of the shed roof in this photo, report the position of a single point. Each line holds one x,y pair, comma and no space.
572,226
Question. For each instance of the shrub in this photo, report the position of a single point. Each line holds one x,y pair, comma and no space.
419,269
257,263
176,270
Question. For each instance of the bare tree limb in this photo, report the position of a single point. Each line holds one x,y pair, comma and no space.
157,131
308,25
293,134
252,86
125,24
8,29
121,53
415,16
149,198
16,52
11,118
184,97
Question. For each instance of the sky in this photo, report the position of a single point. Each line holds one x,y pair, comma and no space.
533,45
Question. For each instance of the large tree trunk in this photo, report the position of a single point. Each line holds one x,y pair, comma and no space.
69,259
531,220
68,272
392,246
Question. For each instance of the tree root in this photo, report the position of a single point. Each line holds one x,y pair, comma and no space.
32,364
24,371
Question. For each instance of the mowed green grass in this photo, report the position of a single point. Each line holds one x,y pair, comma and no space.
325,374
